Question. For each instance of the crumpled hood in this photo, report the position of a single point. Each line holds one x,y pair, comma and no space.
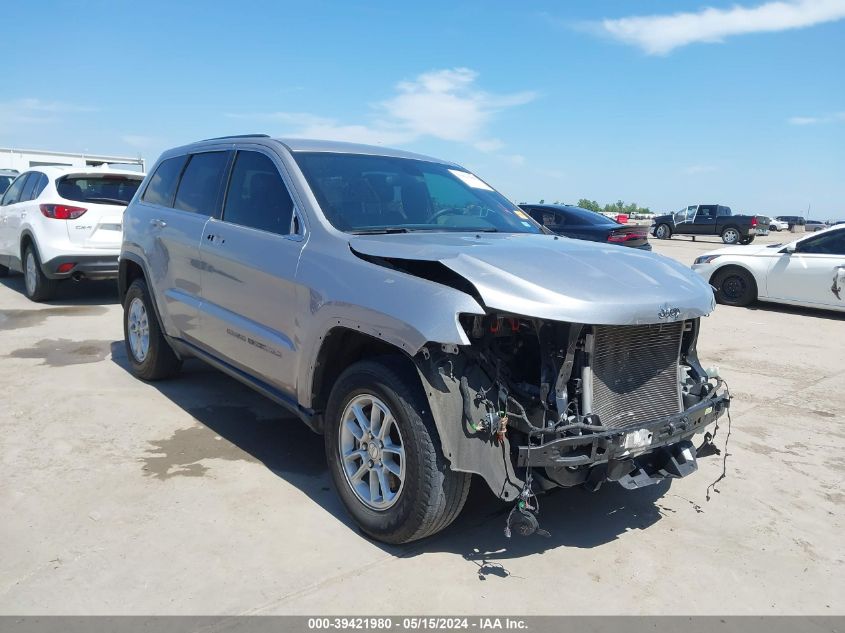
557,278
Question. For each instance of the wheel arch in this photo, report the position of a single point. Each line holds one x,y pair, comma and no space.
445,402
27,238
340,348
129,270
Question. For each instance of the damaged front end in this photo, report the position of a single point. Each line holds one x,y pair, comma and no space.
543,403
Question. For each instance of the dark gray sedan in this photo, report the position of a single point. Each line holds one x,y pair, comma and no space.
583,224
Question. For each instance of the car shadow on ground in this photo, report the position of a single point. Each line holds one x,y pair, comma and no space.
815,313
262,431
71,293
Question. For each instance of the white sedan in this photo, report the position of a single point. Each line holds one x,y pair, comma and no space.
778,225
807,272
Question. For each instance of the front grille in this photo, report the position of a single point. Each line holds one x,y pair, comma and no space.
635,373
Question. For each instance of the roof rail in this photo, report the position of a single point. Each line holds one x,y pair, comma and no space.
223,138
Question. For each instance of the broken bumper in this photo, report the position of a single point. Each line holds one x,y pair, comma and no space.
632,445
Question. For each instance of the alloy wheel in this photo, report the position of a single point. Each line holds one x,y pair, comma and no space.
31,273
371,452
139,330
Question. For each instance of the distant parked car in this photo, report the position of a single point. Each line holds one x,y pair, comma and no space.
583,224
7,177
814,225
778,225
807,272
61,222
792,220
707,219
763,223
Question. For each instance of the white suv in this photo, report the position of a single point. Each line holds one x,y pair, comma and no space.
64,222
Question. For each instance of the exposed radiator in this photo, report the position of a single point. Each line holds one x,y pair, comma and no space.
635,373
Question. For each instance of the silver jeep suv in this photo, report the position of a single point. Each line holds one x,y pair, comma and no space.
423,323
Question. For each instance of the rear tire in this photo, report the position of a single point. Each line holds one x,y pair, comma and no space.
746,241
731,235
150,355
734,286
37,286
663,232
415,495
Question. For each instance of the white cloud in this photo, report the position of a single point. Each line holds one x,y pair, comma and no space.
804,120
29,110
445,104
660,34
700,169
814,120
489,145
514,159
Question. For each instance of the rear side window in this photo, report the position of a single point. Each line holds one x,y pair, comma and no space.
13,193
706,212
257,195
26,193
200,185
571,219
40,184
105,189
162,187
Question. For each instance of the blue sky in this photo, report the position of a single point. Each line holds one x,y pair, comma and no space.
553,100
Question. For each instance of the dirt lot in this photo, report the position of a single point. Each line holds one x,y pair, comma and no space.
198,496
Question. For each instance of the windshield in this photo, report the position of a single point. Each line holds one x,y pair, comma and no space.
364,194
5,181
107,189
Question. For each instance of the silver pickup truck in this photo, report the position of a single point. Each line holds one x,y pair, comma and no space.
427,326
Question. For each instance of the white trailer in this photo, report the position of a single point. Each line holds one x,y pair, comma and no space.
23,159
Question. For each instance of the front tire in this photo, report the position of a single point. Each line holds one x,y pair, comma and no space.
734,287
385,457
150,355
37,286
663,232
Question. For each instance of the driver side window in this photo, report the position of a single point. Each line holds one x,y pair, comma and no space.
685,215
825,244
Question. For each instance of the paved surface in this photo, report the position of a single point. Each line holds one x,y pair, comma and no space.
196,496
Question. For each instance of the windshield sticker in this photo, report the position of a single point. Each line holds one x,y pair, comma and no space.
470,180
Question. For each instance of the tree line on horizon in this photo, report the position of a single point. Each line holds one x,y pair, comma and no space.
613,207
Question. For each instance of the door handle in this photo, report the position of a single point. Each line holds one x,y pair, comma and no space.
215,239
160,224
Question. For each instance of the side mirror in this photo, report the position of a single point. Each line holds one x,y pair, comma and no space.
790,248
